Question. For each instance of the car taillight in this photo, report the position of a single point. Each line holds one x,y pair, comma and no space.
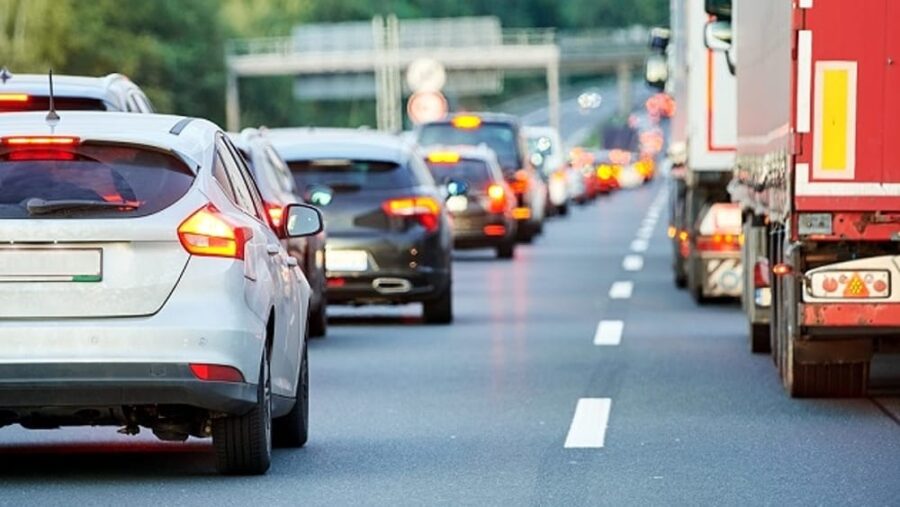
40,141
276,215
850,284
14,97
761,274
426,210
720,243
519,182
497,198
40,147
604,172
216,372
208,233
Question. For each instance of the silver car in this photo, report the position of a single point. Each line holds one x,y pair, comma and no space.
143,287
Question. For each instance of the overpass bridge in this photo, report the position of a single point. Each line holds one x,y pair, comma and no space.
387,46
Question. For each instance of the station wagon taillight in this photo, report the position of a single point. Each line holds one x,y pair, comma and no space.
426,210
209,233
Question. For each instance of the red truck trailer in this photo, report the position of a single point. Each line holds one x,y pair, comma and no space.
818,176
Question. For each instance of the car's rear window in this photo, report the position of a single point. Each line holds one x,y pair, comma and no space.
351,175
500,137
89,181
474,172
37,103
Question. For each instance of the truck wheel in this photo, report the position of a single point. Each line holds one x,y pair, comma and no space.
440,310
292,429
759,339
243,443
318,320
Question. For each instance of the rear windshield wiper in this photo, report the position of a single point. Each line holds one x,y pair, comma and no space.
36,206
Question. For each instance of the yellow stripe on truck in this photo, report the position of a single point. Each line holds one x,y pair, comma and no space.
835,88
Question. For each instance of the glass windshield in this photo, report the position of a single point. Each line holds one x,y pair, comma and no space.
89,181
474,172
350,175
499,137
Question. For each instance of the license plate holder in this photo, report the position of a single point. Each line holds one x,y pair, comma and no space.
51,265
346,260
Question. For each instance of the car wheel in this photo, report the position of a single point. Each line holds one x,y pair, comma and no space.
507,249
439,310
243,443
563,209
318,320
292,429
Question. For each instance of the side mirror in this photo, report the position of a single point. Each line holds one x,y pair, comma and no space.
659,39
717,35
718,8
302,220
656,71
457,187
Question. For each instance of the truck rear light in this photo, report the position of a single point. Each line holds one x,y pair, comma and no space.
425,210
761,274
672,232
850,284
216,373
782,269
719,243
496,198
208,233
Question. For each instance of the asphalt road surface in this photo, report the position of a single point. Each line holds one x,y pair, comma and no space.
527,399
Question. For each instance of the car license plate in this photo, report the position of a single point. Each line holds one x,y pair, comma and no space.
51,265
457,203
346,260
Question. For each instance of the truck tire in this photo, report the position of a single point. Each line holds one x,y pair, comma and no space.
292,429
243,443
759,338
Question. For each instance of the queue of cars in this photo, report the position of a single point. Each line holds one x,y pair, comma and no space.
160,273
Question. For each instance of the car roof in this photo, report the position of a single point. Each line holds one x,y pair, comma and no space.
65,86
189,137
306,143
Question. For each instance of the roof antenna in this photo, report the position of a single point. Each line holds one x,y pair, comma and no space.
52,117
5,75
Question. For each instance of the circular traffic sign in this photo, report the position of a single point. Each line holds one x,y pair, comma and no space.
426,75
424,107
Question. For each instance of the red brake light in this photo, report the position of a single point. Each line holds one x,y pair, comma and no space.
208,233
497,196
761,274
40,141
720,242
425,210
13,97
216,372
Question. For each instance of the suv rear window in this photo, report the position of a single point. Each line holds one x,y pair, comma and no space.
474,172
500,137
89,181
351,175
36,103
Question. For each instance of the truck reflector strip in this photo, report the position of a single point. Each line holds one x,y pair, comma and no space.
850,284
834,139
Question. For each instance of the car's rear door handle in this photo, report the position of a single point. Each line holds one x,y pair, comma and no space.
272,249
292,262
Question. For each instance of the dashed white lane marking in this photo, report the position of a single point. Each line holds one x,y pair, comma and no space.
609,332
633,263
621,290
639,245
588,429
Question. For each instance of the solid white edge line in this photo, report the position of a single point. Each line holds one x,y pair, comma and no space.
621,290
633,262
588,428
609,332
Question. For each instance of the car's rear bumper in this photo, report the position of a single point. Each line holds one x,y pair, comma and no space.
42,386
386,286
471,231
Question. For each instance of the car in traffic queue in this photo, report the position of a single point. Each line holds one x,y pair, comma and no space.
480,201
31,92
607,169
581,163
277,189
389,235
503,134
143,286
547,155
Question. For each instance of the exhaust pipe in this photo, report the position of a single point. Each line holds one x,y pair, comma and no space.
391,285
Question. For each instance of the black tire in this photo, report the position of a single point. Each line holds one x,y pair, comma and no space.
525,233
680,279
292,429
563,210
318,320
243,443
507,249
440,309
759,339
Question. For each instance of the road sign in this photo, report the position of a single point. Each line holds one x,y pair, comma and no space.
426,75
426,106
